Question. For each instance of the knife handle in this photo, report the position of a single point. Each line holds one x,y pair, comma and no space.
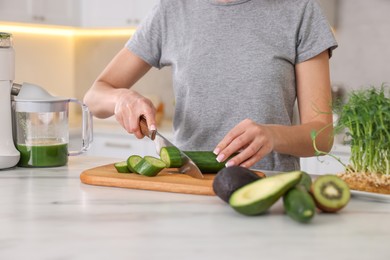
144,128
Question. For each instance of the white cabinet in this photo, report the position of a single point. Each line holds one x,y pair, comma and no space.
85,13
15,10
57,12
120,146
326,164
114,13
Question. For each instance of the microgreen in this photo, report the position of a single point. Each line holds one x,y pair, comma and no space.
4,35
366,119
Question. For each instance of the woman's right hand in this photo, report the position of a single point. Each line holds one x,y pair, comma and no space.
129,106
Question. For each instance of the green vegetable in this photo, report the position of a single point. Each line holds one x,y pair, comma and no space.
366,117
4,35
171,156
121,167
299,204
305,181
258,196
132,161
206,161
149,166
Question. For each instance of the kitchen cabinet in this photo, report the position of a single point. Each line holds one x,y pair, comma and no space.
120,146
15,10
57,12
114,13
326,164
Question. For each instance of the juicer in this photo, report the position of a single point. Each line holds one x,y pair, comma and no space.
34,129
9,155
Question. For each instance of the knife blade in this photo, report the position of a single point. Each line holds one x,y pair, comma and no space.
188,167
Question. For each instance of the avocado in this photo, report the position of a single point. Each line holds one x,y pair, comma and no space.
229,179
257,197
330,193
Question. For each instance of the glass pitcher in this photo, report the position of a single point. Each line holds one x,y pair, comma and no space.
42,131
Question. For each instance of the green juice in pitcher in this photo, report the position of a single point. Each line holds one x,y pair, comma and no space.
43,154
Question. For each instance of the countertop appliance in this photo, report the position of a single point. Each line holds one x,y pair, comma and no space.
34,120
9,155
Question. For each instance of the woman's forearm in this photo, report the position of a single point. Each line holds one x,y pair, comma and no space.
101,99
297,141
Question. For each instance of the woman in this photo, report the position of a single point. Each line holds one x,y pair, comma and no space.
238,67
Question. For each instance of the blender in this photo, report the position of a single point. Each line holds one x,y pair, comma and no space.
9,155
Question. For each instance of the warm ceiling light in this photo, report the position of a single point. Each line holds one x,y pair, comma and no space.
64,31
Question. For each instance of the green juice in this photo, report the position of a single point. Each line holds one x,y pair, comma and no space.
43,155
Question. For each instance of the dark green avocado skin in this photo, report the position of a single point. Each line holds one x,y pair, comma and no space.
230,179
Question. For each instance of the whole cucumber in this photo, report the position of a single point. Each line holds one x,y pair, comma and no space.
299,204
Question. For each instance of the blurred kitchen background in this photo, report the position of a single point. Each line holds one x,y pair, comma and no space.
63,45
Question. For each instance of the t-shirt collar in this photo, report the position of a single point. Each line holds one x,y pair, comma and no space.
232,2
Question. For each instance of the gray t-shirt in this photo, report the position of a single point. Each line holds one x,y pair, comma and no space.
232,61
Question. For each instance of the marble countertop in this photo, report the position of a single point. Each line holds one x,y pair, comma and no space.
49,214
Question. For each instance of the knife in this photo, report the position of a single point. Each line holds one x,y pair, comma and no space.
188,167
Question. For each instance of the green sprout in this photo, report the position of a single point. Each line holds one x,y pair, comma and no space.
366,118
4,35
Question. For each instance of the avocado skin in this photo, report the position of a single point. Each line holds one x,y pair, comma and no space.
230,179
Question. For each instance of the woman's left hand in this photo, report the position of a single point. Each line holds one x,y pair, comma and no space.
254,141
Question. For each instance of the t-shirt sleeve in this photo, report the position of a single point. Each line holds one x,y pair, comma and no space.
315,34
146,41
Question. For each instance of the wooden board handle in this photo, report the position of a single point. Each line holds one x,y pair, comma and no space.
144,128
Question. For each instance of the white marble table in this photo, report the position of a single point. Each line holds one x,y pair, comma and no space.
50,214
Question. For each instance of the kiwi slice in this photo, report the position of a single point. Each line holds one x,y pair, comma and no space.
330,193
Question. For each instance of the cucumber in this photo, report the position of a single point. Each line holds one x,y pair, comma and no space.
299,204
149,166
171,156
132,161
257,197
121,167
305,181
207,161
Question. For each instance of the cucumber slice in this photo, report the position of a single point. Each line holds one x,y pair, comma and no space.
132,161
171,156
149,166
121,167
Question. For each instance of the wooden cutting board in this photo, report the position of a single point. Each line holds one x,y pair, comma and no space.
168,180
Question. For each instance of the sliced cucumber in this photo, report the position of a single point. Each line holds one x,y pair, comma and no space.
171,156
149,166
132,161
258,196
121,167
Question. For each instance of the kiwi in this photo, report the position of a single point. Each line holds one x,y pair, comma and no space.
230,179
330,193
